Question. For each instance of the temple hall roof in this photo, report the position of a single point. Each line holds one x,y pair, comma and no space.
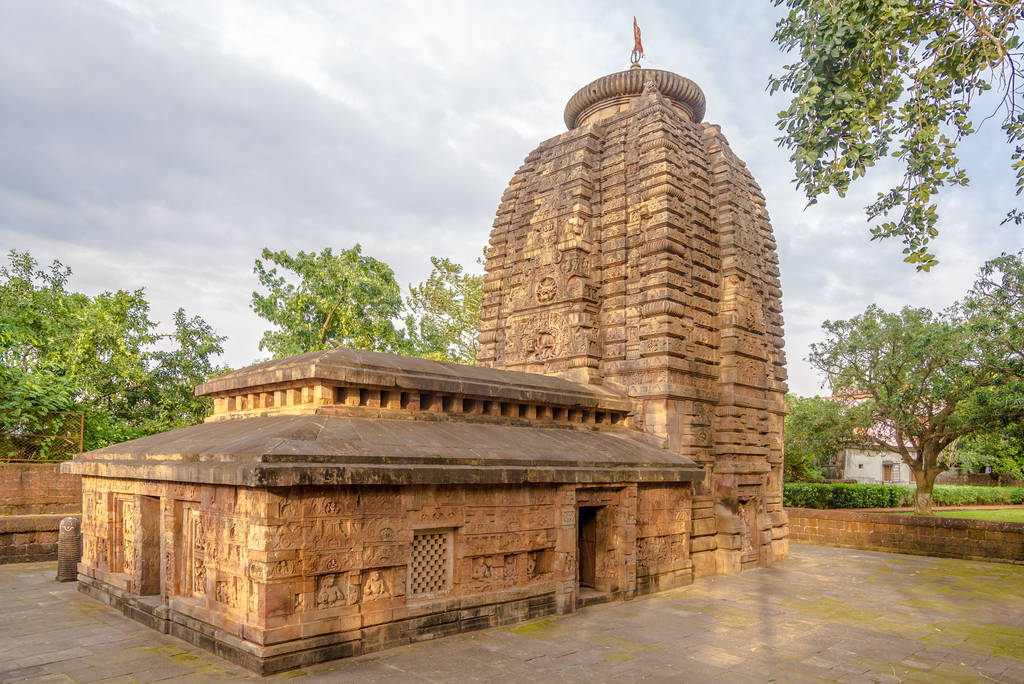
328,449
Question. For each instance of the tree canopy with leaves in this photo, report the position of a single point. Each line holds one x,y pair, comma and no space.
349,299
328,300
817,430
915,377
897,78
994,309
444,313
1001,449
66,351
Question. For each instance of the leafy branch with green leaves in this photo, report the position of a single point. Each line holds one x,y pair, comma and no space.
323,300
101,355
896,78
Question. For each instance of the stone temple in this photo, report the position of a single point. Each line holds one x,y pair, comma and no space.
620,435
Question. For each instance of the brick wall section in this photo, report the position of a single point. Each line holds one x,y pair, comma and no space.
28,537
38,488
929,536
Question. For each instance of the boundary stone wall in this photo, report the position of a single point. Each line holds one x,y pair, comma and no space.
34,497
25,538
929,536
38,488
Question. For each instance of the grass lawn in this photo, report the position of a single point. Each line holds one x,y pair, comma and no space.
1002,514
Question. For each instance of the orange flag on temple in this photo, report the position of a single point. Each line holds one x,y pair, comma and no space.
638,47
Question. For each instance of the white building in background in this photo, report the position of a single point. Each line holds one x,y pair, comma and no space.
868,465
872,467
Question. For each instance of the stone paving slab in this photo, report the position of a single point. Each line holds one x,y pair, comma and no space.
824,615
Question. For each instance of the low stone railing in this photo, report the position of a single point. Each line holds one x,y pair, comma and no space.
906,533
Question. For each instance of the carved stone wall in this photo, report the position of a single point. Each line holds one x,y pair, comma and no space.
357,568
635,252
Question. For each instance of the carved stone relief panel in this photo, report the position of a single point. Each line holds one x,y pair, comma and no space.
538,564
376,587
195,565
226,592
122,536
537,338
334,590
749,532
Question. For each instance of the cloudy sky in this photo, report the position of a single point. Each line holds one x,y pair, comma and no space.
163,145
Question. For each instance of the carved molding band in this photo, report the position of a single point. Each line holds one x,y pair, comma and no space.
631,83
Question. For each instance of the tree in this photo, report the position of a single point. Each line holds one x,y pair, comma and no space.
1001,449
817,429
179,365
444,313
896,78
923,389
103,356
994,309
344,299
33,305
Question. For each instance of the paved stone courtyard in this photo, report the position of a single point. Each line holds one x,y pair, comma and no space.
823,615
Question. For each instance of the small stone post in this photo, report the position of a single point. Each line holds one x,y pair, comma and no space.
69,549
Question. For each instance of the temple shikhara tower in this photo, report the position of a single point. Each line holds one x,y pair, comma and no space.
634,253
620,435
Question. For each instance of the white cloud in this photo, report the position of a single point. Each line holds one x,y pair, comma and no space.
163,145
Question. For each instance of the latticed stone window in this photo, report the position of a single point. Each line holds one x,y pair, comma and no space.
430,567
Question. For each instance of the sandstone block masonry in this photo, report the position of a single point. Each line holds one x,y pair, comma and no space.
326,572
342,502
33,499
621,434
33,488
930,536
634,252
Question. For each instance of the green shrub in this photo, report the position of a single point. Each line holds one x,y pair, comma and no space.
829,495
953,495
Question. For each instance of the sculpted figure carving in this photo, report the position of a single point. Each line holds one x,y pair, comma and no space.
748,533
225,593
128,537
375,586
329,594
482,568
199,577
198,570
509,568
546,289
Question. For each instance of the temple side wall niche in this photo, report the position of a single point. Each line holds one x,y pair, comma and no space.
635,252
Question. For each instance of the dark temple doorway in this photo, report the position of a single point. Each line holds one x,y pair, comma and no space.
586,551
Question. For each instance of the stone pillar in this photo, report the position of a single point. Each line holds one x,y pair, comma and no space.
564,565
627,522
